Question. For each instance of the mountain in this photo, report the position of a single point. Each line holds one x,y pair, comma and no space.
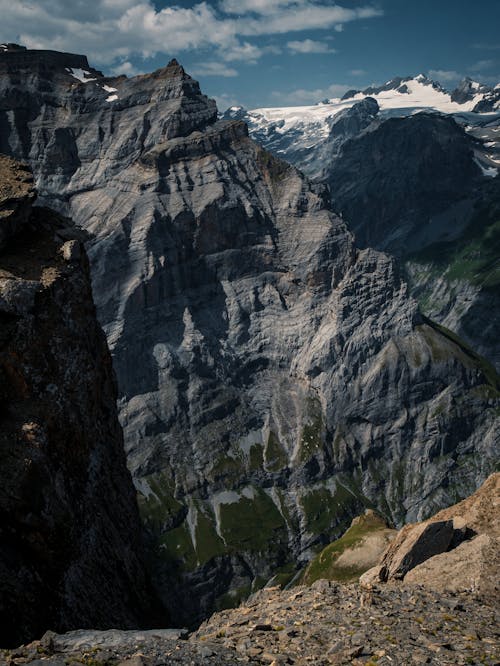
274,379
415,187
412,169
70,549
298,133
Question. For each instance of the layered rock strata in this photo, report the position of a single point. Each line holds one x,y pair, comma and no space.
274,380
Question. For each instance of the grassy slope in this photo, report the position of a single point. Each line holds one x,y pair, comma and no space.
474,257
324,565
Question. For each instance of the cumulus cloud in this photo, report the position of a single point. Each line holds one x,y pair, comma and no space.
111,31
444,75
126,68
212,68
302,96
309,46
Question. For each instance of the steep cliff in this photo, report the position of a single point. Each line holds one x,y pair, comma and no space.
415,187
70,544
273,379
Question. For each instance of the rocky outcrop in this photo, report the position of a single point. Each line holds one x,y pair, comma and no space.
358,550
274,380
70,546
16,198
456,550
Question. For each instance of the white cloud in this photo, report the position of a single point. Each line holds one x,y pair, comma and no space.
444,75
309,46
116,30
263,7
486,47
224,101
212,68
358,72
302,96
480,65
126,68
246,52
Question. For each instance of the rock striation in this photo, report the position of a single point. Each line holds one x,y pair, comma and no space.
70,544
274,380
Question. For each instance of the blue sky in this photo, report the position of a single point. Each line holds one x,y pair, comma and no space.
270,52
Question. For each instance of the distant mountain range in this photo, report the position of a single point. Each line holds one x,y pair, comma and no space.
297,133
413,170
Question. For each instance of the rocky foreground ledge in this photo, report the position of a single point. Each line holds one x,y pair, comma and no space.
326,623
437,604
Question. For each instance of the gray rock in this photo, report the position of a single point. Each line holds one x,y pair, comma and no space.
273,378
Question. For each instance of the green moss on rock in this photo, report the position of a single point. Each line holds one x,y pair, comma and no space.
252,524
325,564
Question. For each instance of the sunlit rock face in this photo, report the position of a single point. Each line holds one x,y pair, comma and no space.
273,378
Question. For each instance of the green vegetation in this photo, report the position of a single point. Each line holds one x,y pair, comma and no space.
233,598
208,542
252,524
275,455
159,508
228,468
474,256
176,545
323,510
438,338
284,575
325,565
256,457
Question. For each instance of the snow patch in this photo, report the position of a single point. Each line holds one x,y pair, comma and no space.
81,75
111,98
490,172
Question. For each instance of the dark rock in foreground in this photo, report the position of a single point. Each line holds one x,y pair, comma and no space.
69,526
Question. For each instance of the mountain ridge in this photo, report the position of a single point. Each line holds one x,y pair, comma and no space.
274,378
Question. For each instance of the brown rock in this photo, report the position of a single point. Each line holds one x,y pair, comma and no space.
413,545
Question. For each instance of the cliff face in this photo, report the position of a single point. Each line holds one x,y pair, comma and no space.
273,379
70,538
414,187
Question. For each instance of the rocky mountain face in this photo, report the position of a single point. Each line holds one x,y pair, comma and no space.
274,380
70,546
415,187
422,186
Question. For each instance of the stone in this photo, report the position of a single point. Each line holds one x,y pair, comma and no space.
255,346
71,550
415,544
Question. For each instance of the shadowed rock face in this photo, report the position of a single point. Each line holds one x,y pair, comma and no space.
273,378
70,543
413,187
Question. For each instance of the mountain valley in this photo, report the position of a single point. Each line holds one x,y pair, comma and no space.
275,379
